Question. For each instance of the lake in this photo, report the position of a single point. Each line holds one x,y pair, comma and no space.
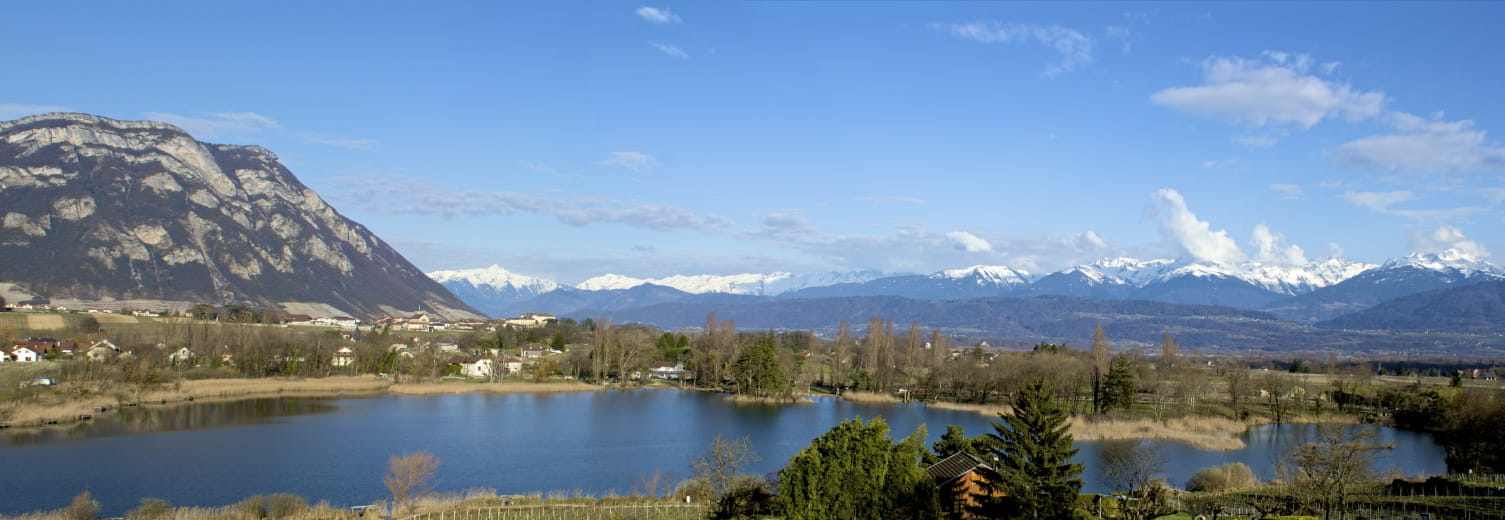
338,449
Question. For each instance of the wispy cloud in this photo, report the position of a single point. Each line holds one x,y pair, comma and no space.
656,15
218,124
1424,146
338,142
9,111
1073,47
1277,89
672,51
406,195
1291,191
1384,202
634,161
1220,163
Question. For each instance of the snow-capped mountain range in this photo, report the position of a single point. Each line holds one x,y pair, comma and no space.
1251,285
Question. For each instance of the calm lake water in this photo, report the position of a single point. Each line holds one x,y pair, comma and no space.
337,449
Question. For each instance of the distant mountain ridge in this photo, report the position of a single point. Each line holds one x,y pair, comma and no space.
96,209
1251,285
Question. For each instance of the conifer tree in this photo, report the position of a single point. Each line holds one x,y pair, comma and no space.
854,471
1033,477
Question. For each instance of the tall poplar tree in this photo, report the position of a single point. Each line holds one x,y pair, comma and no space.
1033,477
1102,355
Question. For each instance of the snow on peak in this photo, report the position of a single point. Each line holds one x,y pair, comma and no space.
1279,278
1447,260
494,276
611,282
1123,271
987,275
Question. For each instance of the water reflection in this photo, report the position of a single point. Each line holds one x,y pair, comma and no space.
167,418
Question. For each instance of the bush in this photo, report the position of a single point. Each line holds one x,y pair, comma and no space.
1230,476
284,505
747,496
84,507
150,509
254,506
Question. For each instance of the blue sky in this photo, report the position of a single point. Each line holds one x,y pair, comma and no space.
573,138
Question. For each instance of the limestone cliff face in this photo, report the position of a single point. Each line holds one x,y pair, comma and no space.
94,208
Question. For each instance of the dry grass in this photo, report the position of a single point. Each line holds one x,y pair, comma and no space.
510,387
1207,433
44,321
991,410
869,397
115,319
64,406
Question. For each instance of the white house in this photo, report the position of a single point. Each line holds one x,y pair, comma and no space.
23,354
183,355
344,322
534,351
343,357
667,370
473,366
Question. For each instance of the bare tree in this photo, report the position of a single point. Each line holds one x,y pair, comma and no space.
410,477
722,461
1132,467
1338,462
1102,356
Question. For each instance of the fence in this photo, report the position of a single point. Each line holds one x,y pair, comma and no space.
573,512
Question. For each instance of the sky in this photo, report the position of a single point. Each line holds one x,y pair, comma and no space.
567,139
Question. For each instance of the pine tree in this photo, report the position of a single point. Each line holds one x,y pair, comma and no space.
1034,477
1118,388
854,471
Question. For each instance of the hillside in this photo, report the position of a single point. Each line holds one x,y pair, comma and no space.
99,210
1477,308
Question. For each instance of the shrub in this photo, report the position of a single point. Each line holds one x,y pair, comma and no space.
84,507
284,505
254,506
150,509
1230,476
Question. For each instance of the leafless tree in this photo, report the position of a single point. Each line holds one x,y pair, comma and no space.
410,477
1335,465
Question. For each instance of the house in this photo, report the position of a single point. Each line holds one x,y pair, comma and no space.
182,355
143,313
344,322
473,366
101,350
668,370
530,320
297,319
958,481
343,357
67,348
534,351
510,365
418,323
227,358
22,354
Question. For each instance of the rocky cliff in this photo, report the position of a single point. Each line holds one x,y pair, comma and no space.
97,209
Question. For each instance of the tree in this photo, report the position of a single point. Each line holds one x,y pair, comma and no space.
757,371
853,471
1118,388
1132,467
954,441
409,477
722,462
1280,393
1034,477
1338,462
1102,355
1170,352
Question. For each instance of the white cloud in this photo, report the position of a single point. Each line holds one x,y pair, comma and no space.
1074,48
217,125
1196,237
1445,238
338,142
1272,249
9,111
672,51
1378,201
634,161
656,15
1424,146
1291,191
1278,90
969,242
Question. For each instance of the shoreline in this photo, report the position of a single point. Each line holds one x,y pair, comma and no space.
54,410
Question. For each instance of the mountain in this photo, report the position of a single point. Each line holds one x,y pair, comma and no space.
1475,308
493,290
595,303
979,281
748,283
1396,278
99,210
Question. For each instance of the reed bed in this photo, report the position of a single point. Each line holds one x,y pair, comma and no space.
1207,433
992,410
507,387
869,397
